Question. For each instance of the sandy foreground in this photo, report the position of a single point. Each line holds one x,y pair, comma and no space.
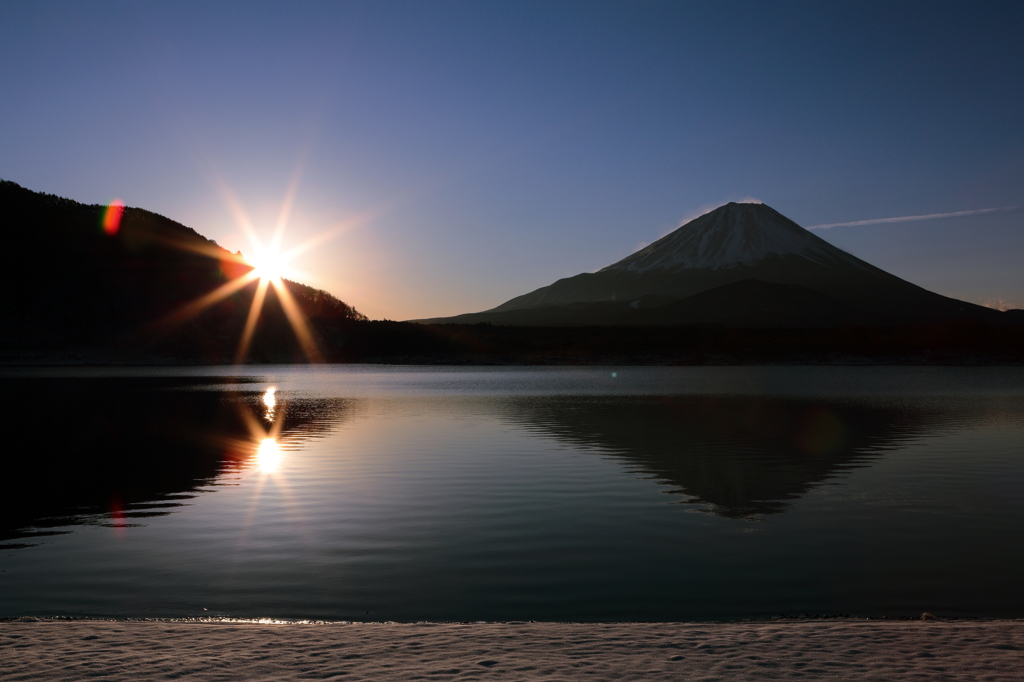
814,649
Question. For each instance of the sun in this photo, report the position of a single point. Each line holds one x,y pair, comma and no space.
268,264
268,267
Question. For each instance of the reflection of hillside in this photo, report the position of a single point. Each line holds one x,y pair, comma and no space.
130,448
741,455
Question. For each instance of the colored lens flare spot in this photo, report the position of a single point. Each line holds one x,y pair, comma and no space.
112,217
117,516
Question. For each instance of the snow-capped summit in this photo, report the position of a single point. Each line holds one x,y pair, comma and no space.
731,235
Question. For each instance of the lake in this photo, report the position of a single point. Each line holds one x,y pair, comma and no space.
474,493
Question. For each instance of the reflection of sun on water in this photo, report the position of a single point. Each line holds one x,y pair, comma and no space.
268,456
270,401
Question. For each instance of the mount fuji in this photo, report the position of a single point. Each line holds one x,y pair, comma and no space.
741,265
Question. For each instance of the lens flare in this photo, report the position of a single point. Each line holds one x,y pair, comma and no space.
266,269
117,517
112,217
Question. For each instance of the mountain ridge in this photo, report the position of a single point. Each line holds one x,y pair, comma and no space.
733,243
728,237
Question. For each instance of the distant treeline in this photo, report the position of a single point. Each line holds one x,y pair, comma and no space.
953,343
482,344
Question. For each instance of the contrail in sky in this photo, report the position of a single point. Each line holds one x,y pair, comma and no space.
910,218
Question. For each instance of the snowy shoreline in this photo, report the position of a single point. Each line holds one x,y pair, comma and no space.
40,649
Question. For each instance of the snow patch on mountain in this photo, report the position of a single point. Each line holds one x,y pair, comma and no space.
732,235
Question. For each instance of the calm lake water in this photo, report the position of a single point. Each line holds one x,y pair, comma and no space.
405,493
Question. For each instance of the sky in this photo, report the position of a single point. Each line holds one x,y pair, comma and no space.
449,156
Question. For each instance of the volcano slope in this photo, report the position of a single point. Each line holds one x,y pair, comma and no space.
741,265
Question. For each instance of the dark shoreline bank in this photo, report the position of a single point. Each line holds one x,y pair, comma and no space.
413,361
385,342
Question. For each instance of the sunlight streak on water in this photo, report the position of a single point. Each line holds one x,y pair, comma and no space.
270,401
269,456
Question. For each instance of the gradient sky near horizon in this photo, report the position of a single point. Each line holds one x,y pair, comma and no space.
463,153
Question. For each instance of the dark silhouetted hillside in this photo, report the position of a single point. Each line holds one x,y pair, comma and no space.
72,286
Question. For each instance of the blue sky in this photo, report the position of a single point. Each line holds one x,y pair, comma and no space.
462,153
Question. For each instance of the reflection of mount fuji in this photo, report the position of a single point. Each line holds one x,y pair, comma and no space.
102,450
742,456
